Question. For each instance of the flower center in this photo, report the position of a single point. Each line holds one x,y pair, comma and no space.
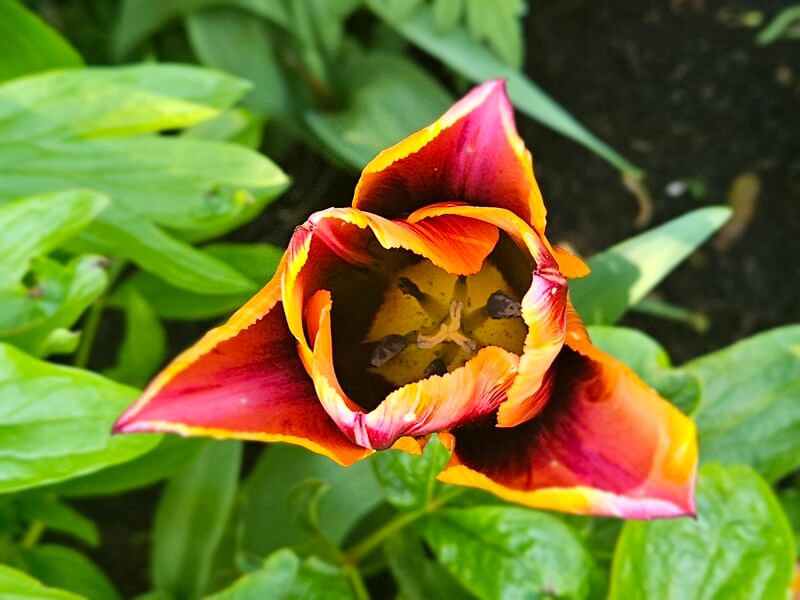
430,321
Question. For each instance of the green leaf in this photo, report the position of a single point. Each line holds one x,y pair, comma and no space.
272,582
144,346
28,45
34,318
409,481
473,61
256,261
318,580
36,225
780,24
740,546
790,502
750,407
388,97
16,585
499,25
418,577
500,552
104,102
56,515
650,361
239,42
263,521
628,271
171,455
237,125
56,422
65,568
140,19
190,520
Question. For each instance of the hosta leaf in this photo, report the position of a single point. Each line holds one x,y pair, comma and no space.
36,225
55,422
499,552
28,45
740,546
750,407
628,271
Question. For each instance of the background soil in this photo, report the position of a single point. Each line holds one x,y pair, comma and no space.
681,89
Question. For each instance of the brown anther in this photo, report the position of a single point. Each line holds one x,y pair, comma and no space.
437,367
502,306
410,288
388,348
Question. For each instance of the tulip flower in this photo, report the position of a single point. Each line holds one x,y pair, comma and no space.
435,304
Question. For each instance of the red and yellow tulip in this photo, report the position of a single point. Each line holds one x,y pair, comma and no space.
435,304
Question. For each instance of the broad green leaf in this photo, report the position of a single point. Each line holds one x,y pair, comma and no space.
500,552
105,102
239,42
190,520
263,520
34,318
171,455
628,271
66,568
237,125
418,577
140,19
55,422
144,346
499,25
125,235
16,585
790,502
317,580
750,407
387,97
256,261
740,546
455,49
56,515
28,45
650,361
409,481
36,225
273,581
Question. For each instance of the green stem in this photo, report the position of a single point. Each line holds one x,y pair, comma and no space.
33,535
356,582
92,322
363,548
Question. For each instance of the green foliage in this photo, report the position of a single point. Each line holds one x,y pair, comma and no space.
740,545
65,568
626,272
57,422
190,519
16,584
749,411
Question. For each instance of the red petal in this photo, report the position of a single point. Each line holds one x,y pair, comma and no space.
242,380
605,444
472,154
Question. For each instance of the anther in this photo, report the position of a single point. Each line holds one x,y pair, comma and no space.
388,348
502,306
410,288
437,367
426,302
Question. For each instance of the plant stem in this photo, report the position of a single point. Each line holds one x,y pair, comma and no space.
32,536
356,582
92,321
360,550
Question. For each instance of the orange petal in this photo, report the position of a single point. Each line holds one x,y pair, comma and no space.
472,154
437,403
605,444
242,380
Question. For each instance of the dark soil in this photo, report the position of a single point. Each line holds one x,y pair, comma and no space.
681,89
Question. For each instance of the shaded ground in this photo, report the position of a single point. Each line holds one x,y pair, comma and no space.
679,88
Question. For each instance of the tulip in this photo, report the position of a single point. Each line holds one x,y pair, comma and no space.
435,304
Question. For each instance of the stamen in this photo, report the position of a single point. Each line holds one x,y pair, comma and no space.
437,367
388,348
431,306
502,306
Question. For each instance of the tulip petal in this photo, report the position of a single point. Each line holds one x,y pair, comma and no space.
242,380
472,154
437,403
605,444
